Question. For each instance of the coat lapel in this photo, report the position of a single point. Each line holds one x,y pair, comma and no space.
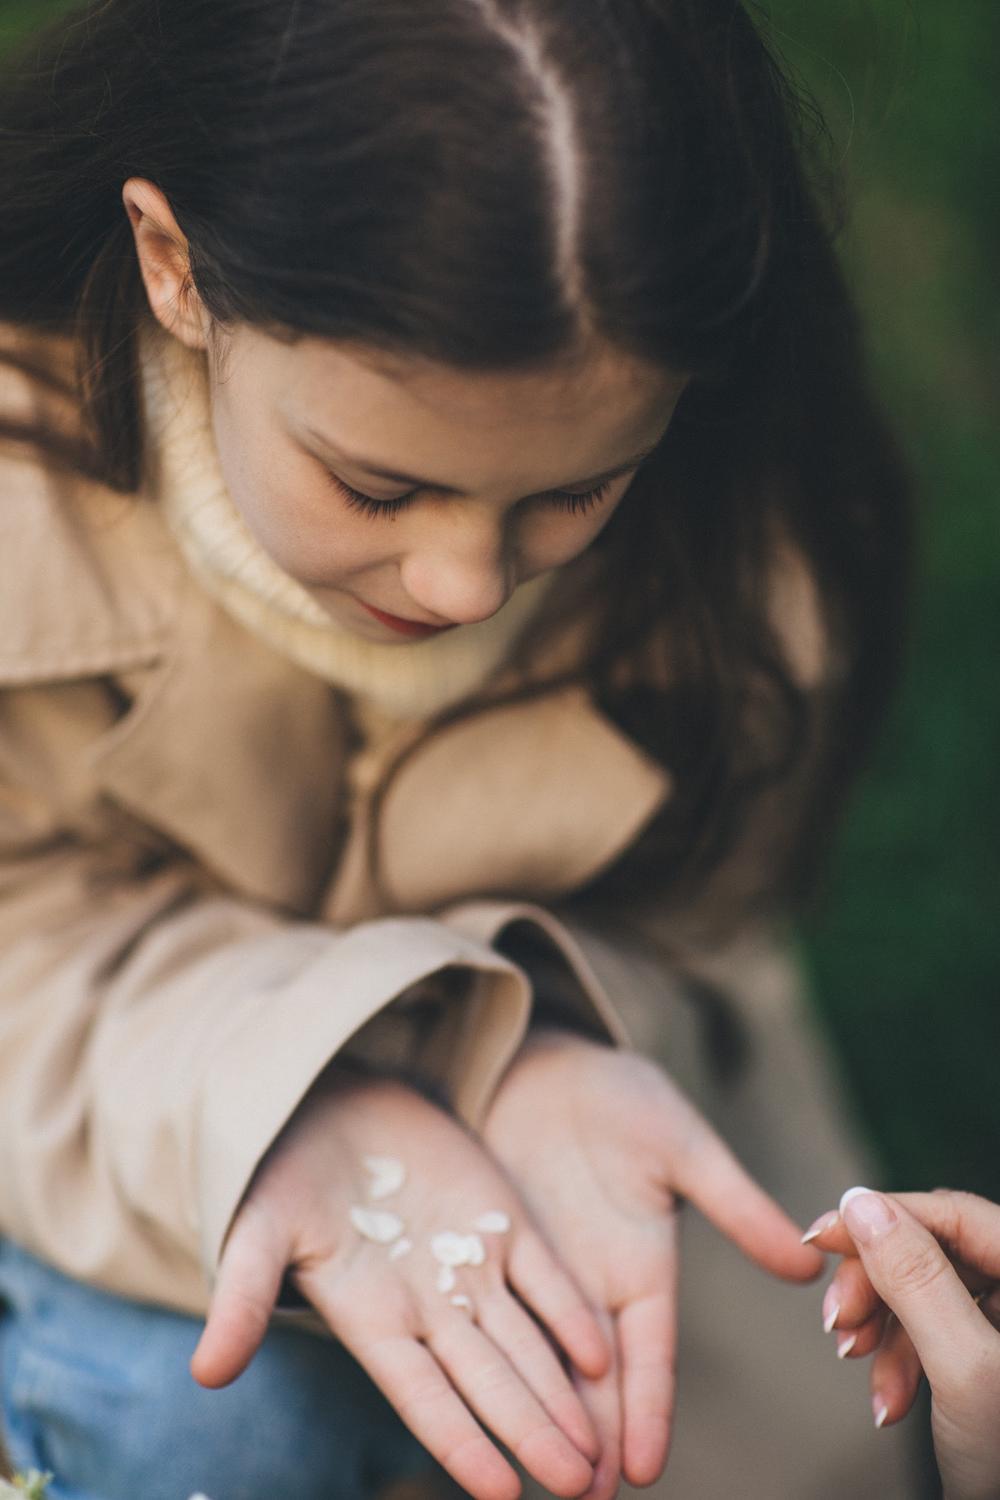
237,755
528,799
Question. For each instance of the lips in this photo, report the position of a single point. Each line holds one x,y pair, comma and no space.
413,628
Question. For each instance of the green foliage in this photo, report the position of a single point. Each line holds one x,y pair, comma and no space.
906,953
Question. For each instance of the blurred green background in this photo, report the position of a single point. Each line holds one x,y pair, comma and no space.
905,951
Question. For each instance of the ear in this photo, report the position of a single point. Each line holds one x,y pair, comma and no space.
165,263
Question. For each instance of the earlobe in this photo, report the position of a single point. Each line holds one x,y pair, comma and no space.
164,262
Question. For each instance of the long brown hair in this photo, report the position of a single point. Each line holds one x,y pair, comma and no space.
504,181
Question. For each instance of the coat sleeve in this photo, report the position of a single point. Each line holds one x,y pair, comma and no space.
157,1032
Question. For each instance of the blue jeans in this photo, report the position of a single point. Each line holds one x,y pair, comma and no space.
97,1390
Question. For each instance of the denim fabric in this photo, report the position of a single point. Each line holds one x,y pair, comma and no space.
97,1390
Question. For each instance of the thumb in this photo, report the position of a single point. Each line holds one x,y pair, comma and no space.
246,1289
913,1276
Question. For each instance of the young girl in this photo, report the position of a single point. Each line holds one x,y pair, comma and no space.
451,570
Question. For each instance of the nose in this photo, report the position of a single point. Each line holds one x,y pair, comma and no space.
461,578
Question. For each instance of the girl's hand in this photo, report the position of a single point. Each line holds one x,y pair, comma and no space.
894,1261
599,1142
442,1364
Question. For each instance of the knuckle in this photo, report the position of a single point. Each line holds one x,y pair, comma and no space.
418,1403
918,1269
492,1378
952,1206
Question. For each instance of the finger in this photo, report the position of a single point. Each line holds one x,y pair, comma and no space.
705,1171
380,1333
602,1398
499,1397
828,1234
850,1298
913,1276
411,1379
858,1343
246,1289
989,1306
518,1336
968,1226
896,1375
646,1338
544,1286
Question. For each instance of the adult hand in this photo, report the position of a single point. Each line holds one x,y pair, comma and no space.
599,1142
441,1362
933,1260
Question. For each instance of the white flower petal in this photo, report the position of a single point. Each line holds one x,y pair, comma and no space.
453,1249
377,1224
475,1250
494,1222
449,1248
446,1279
388,1175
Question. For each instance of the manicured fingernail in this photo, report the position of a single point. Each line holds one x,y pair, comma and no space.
831,1308
819,1226
854,1192
867,1215
880,1412
845,1344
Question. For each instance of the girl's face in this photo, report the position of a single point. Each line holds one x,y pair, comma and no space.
408,497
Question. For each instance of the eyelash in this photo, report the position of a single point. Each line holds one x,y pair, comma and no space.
388,510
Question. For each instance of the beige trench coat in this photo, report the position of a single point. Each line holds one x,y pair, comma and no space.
189,930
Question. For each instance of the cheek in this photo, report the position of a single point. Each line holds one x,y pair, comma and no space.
553,538
288,508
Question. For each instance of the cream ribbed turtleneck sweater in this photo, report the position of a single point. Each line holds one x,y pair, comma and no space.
411,681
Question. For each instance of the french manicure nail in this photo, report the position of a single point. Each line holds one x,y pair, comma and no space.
819,1226
867,1215
845,1344
831,1309
880,1412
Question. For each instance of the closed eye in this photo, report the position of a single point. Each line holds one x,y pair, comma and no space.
571,501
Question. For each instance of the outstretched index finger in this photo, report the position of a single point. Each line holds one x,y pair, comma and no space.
707,1173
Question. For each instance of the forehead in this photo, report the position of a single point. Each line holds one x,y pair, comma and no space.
413,414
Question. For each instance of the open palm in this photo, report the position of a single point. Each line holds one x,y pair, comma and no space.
459,1358
600,1144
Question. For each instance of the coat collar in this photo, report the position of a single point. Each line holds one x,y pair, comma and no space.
239,756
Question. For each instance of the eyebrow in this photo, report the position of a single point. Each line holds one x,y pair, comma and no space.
370,467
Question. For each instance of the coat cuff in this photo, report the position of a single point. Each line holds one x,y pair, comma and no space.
518,929
300,1027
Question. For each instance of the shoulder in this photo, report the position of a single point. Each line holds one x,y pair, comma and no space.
89,578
